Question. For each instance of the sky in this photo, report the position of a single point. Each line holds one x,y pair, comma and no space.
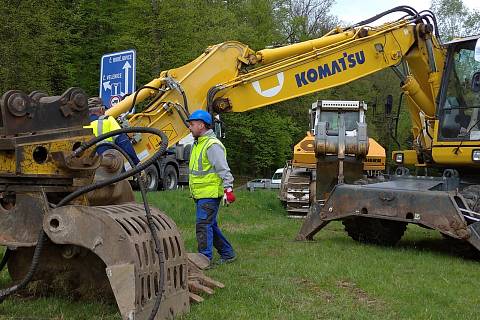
356,11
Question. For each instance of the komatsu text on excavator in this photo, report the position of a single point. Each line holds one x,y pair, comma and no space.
66,213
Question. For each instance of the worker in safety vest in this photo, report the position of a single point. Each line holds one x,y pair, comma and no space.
210,180
101,124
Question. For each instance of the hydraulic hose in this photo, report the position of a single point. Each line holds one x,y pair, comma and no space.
31,271
136,94
158,249
407,9
429,13
129,173
136,170
4,261
397,117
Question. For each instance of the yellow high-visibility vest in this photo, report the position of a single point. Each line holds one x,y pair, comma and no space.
204,182
104,125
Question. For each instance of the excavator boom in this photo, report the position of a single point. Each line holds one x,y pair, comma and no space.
230,77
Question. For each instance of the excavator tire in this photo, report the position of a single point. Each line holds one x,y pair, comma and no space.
374,231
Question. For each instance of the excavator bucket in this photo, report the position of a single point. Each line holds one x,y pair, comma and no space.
107,251
120,237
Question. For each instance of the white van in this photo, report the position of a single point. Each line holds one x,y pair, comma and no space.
277,178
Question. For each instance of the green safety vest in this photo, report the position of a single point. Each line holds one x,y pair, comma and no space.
104,125
204,182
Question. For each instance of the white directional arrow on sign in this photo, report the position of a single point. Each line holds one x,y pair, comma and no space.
126,67
106,85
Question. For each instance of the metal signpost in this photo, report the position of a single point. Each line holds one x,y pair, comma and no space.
117,76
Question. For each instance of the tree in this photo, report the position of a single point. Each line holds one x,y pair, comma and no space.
258,141
455,19
54,44
301,20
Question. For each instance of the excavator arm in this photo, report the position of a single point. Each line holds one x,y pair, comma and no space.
230,77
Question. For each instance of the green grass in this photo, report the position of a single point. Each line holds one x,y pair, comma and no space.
333,277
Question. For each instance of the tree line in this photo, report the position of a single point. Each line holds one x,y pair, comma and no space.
51,45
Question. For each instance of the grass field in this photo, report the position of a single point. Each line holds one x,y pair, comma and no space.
333,277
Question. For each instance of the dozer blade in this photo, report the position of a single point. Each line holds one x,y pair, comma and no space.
109,249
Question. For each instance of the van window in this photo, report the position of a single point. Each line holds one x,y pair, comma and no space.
277,176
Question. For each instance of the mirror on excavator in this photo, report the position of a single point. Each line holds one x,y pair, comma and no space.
476,76
477,51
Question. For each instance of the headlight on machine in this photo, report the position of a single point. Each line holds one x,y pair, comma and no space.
476,155
399,158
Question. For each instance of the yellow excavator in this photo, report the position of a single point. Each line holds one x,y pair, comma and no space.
66,214
298,186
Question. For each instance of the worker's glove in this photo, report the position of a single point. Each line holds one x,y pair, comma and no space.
228,196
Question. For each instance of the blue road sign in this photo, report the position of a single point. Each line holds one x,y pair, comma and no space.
117,76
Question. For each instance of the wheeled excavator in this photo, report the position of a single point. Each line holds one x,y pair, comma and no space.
299,184
66,212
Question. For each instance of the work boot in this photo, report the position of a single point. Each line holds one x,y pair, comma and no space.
226,260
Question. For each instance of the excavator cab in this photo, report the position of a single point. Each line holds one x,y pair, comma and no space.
459,105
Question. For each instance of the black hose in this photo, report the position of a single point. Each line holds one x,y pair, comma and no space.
211,96
407,9
5,258
158,249
42,237
142,166
426,129
136,94
400,100
434,19
154,100
151,226
397,117
185,101
176,86
129,173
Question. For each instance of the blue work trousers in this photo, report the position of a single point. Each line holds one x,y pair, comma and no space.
208,232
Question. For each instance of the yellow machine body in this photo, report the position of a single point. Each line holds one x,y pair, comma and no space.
230,77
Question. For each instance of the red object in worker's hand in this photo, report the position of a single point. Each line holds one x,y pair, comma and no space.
228,196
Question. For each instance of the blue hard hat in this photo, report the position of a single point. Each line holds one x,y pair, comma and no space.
201,115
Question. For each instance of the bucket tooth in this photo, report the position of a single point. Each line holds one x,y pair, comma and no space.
195,298
122,281
197,287
198,282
